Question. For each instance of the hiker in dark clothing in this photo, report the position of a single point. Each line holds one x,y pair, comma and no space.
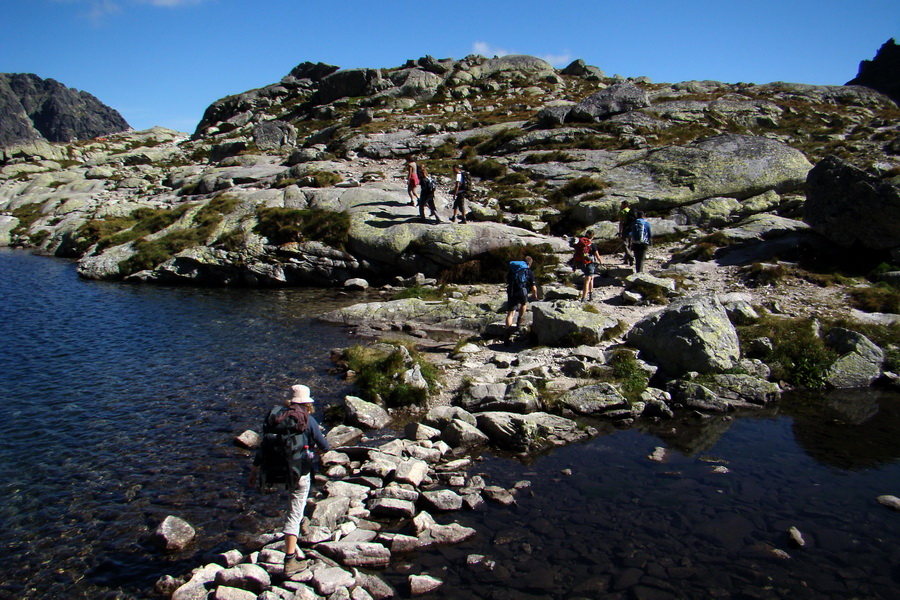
427,187
626,220
641,239
519,282
461,191
300,407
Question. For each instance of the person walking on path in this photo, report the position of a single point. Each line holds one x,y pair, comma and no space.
412,179
626,220
461,191
519,282
299,410
641,239
427,187
587,257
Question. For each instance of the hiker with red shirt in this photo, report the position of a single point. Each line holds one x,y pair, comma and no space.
587,257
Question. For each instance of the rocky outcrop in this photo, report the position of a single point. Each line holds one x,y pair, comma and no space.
32,108
733,166
300,145
691,334
881,72
851,207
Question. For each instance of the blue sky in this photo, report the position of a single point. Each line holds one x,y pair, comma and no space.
162,62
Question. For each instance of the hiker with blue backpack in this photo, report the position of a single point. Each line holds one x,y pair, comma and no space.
641,239
285,456
519,283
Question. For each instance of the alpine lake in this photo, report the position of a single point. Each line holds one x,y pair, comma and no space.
120,404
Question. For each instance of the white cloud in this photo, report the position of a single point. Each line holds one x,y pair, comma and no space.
558,60
100,9
485,49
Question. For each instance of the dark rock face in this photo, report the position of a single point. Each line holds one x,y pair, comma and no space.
849,206
883,72
34,108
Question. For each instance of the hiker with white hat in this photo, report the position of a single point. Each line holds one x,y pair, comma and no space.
286,456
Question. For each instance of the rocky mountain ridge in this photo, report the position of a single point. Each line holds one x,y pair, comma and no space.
553,152
32,108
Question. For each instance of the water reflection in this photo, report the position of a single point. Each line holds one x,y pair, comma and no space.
847,429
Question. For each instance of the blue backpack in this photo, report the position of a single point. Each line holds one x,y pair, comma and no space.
640,232
517,278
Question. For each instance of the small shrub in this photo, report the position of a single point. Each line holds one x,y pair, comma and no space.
446,150
516,178
101,232
486,169
231,241
548,157
498,140
378,374
27,214
577,187
881,297
632,379
423,293
283,225
150,254
760,274
799,356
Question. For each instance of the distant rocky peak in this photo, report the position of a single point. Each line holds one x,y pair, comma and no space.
883,72
32,108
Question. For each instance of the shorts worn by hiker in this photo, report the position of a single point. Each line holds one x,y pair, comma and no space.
514,301
589,268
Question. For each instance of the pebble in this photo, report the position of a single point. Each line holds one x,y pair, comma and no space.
659,454
892,502
796,537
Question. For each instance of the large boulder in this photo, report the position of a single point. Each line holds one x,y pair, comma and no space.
849,206
274,135
732,166
616,99
528,432
860,362
593,399
350,83
568,324
365,414
691,334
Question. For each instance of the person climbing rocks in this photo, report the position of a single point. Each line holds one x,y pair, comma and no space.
301,432
412,179
461,190
519,283
586,258
641,239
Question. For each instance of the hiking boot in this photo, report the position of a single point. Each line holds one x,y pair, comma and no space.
292,565
464,221
453,219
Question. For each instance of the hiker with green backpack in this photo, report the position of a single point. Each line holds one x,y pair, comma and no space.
285,457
